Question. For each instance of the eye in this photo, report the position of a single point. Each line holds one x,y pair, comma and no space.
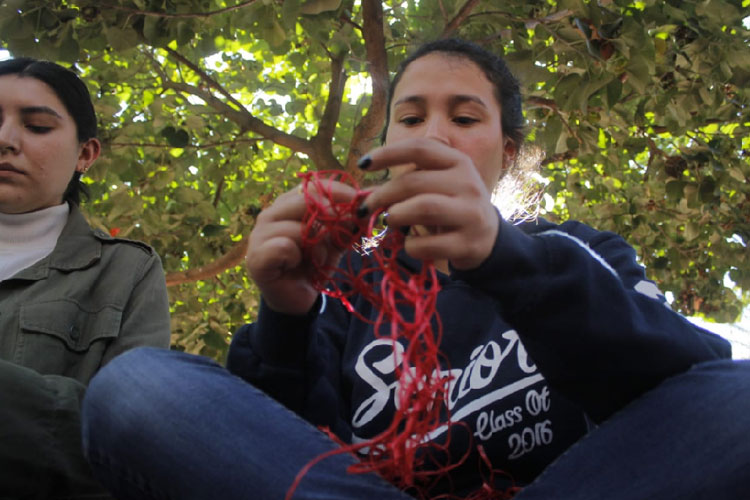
410,120
465,120
38,129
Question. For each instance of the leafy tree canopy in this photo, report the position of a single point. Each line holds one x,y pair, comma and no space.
209,108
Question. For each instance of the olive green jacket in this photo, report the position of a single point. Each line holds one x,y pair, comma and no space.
61,320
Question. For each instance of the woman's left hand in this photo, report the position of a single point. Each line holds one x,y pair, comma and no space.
441,197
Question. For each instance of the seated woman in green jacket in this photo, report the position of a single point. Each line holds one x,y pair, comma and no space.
71,297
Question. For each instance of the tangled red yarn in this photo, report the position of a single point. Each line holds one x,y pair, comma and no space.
397,453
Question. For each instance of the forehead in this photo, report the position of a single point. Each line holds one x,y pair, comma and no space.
442,75
28,92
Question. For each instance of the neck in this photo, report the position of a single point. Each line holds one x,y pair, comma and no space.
28,238
30,226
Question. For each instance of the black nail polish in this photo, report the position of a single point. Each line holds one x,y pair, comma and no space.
364,162
362,211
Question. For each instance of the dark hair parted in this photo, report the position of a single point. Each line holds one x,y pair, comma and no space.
507,88
74,95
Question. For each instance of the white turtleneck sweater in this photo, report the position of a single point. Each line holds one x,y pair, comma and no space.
28,238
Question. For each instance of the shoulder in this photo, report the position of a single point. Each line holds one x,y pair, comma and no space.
124,255
570,227
80,246
108,240
579,231
78,225
607,244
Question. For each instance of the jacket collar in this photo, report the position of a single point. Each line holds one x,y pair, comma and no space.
77,247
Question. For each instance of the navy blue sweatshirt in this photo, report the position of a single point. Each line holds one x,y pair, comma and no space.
554,332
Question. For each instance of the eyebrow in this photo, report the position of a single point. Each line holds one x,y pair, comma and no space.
32,110
454,100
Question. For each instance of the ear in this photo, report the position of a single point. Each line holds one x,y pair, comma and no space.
510,150
87,154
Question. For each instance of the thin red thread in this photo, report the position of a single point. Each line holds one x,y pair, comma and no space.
398,453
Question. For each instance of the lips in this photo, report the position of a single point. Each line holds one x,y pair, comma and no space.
7,167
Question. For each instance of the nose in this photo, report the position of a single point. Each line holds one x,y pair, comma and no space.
9,137
437,128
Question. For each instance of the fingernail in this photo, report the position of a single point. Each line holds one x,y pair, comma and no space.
364,162
362,211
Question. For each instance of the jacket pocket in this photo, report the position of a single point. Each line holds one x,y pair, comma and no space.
61,337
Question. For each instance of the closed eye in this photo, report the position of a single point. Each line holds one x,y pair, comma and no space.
410,120
465,120
38,129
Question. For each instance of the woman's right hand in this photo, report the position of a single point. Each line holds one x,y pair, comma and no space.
275,259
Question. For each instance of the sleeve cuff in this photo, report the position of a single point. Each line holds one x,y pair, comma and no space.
282,339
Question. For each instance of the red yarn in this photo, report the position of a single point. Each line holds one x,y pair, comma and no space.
397,454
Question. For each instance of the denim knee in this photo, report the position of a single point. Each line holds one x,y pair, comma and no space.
123,399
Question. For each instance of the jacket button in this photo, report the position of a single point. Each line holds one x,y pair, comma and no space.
74,333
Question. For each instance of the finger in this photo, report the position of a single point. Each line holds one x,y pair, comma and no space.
411,185
288,206
329,189
293,204
434,246
430,209
275,229
273,258
426,154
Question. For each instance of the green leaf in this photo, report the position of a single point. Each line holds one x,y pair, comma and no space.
639,76
15,4
274,33
185,33
707,190
692,231
195,122
314,7
614,92
736,174
177,138
290,11
567,91
121,39
210,230
69,50
675,190
154,31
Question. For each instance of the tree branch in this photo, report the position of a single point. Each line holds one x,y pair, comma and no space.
318,149
366,132
198,15
567,155
463,13
533,102
552,18
189,146
245,120
232,258
204,76
322,154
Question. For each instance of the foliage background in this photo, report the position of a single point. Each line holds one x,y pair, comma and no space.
209,108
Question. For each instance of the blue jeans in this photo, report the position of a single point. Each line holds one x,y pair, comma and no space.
160,424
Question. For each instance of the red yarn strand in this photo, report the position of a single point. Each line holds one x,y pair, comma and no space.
397,454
